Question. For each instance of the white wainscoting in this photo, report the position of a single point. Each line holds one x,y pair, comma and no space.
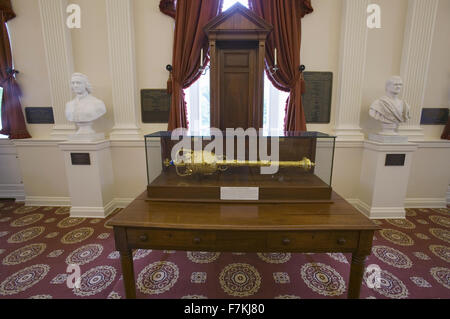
41,165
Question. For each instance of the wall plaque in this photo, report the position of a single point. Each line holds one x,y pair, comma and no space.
434,116
155,106
80,159
39,115
317,98
395,160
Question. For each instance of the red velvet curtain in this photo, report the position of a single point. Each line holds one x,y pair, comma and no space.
13,121
191,17
168,7
285,16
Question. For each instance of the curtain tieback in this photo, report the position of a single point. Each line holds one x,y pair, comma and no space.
294,82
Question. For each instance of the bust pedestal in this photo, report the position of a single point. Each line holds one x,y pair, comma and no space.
90,177
86,133
388,139
389,135
384,179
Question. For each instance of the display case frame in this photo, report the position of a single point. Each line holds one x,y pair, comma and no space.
174,180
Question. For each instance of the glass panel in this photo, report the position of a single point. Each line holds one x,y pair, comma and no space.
1,103
292,134
289,167
227,4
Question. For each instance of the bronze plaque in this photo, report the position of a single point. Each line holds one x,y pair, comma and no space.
438,116
39,115
155,105
80,159
317,98
395,160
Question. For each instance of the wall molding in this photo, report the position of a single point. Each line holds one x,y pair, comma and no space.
349,144
86,212
384,147
433,144
47,201
426,202
128,144
93,212
380,212
122,202
397,212
448,196
16,191
38,143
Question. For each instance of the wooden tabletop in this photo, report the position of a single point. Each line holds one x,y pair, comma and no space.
339,215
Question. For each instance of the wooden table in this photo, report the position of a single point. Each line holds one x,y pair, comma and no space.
294,228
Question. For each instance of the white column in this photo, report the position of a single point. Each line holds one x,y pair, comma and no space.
418,39
123,69
351,69
58,49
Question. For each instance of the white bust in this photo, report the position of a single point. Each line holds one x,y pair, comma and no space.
390,110
84,109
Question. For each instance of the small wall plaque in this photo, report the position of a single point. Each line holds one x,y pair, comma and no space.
395,160
80,159
434,116
155,105
317,98
39,115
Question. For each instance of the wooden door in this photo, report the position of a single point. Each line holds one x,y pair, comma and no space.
237,87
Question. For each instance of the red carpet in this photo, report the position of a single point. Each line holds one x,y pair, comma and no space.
37,244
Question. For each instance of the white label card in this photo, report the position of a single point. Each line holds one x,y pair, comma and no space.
239,193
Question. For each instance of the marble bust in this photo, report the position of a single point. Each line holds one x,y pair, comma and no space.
390,110
84,109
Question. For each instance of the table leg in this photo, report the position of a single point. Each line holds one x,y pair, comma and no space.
356,275
126,258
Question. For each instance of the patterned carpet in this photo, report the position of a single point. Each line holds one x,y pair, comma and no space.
38,244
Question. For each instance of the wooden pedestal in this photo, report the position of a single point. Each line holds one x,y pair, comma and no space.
288,186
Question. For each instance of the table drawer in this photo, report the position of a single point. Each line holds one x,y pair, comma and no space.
169,239
317,241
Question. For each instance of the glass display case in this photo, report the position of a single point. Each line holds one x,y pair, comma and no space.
233,166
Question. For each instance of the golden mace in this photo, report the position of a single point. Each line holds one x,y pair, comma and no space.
207,163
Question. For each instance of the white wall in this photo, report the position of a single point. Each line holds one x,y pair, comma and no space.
321,33
29,58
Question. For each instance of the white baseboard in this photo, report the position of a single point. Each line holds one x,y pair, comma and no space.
43,201
122,202
93,212
426,202
16,191
378,212
82,212
397,212
448,195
